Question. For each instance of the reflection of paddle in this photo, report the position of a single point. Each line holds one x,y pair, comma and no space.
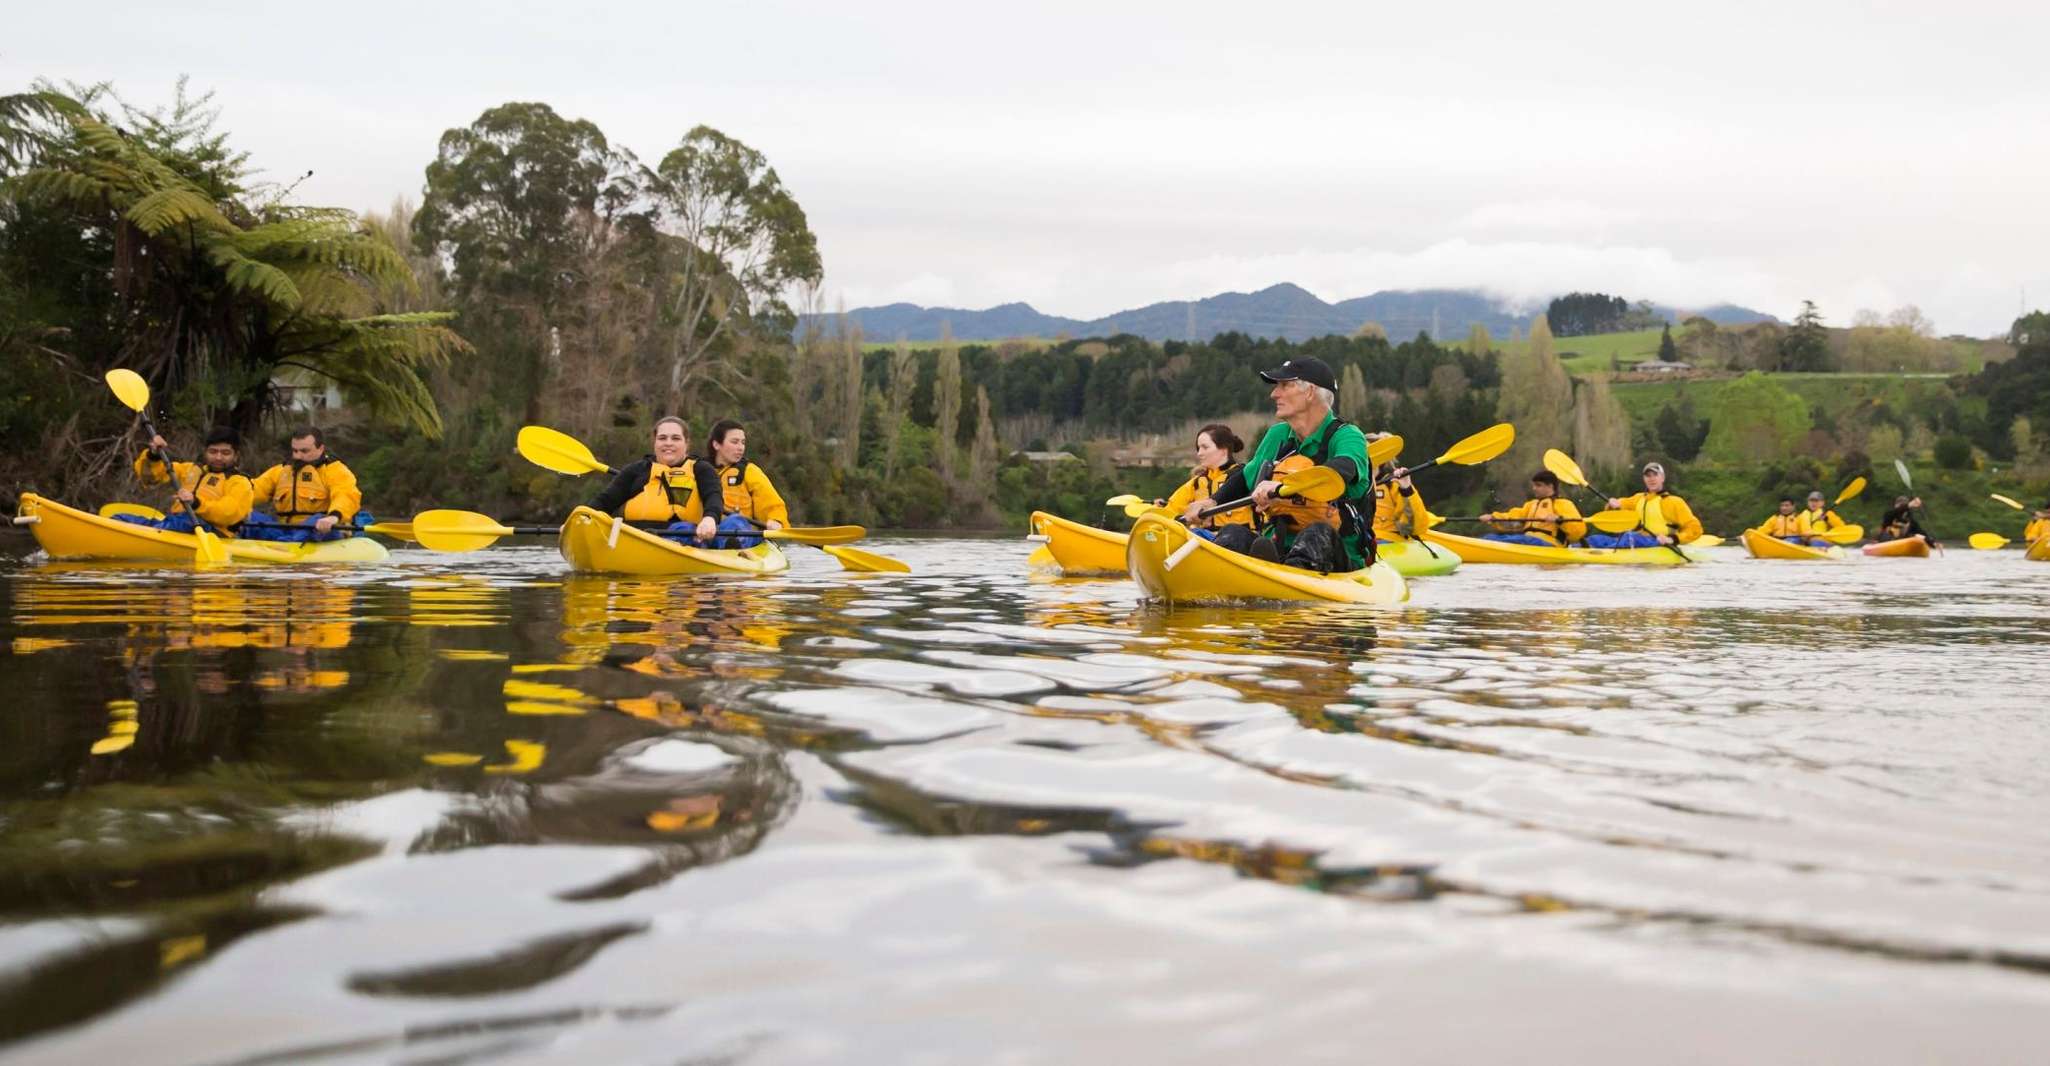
1653,518
465,531
133,392
555,450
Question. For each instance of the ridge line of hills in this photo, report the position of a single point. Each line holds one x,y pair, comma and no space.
1279,311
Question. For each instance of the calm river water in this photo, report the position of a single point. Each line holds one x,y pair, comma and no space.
472,808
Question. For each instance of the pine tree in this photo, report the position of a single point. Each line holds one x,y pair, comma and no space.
1667,353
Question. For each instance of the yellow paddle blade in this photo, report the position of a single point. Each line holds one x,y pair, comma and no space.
210,551
1565,469
111,510
1856,486
456,531
818,535
554,450
863,561
2016,504
1134,510
129,388
1320,483
1844,535
1482,446
1612,521
1706,540
394,530
1987,542
1384,450
1125,500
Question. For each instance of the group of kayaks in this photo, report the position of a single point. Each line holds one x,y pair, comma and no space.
1764,546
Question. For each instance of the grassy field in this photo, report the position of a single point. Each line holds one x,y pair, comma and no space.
1832,394
1591,354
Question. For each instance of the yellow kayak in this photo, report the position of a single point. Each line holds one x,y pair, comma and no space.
1479,550
2039,551
1414,558
1077,549
1765,547
1210,574
69,533
1915,547
595,544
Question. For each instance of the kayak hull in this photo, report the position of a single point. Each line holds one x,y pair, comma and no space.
1414,558
1478,550
1074,548
1915,547
69,533
1210,574
594,544
1762,546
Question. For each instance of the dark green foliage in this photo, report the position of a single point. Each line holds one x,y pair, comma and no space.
1953,452
1678,432
2018,387
1667,352
1805,348
1579,314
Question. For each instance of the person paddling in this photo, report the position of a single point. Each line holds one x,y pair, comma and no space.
2039,525
1325,537
1546,519
1682,527
1217,449
1819,519
669,485
312,494
1786,525
748,492
1899,521
216,495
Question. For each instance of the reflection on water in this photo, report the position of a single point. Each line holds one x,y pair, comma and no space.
462,807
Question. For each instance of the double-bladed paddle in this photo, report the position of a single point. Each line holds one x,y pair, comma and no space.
133,392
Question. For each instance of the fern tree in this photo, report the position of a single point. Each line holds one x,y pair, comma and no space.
218,287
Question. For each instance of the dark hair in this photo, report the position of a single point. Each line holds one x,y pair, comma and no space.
1545,477
667,419
224,435
1222,436
1900,501
309,431
719,431
1790,499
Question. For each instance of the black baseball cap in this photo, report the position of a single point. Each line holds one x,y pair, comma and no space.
1310,369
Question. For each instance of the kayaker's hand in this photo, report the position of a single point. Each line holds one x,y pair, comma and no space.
185,497
772,524
325,523
157,443
1401,475
1263,493
1665,539
1615,504
707,529
1194,511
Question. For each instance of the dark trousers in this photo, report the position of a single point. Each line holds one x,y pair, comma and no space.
1315,548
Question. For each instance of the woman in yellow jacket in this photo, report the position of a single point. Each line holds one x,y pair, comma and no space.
1546,520
2039,526
1399,511
1681,525
1786,525
748,492
1819,519
216,495
1217,449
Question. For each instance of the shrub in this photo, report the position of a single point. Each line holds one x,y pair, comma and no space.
1953,452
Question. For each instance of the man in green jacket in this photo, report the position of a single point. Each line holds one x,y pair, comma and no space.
1315,536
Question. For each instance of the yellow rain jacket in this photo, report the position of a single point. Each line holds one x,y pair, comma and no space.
1782,525
225,500
1815,523
1203,486
749,491
1680,520
1544,512
2038,529
1399,513
299,491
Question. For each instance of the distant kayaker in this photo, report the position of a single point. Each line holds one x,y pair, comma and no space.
671,486
1786,525
1818,519
1681,525
1546,519
1399,511
1217,449
217,495
314,493
1899,521
1325,537
747,490
2039,525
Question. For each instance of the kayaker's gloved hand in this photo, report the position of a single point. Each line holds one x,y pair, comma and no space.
1196,509
708,527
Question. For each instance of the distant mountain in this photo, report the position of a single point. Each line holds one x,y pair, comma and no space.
1284,310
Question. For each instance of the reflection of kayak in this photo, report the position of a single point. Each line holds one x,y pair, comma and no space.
1477,550
1414,558
595,544
1765,547
2039,551
1212,574
1915,547
1076,548
68,533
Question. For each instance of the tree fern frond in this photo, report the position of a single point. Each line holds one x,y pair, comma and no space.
174,206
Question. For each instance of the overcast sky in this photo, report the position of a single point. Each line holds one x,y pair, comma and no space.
1090,157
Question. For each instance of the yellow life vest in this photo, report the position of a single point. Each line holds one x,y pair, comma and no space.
1782,525
671,495
302,490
